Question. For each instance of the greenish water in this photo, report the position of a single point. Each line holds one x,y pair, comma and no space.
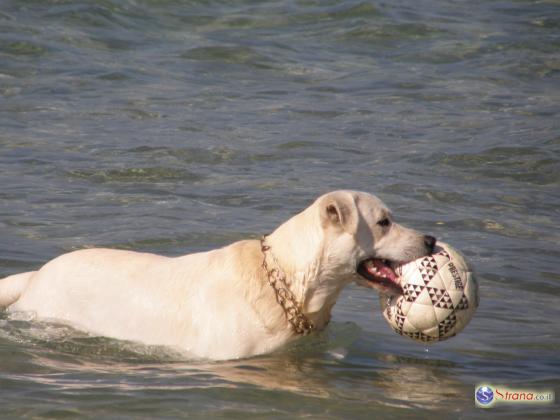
177,126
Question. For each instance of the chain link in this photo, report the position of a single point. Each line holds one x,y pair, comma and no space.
285,297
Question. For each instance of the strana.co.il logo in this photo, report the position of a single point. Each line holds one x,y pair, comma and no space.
486,396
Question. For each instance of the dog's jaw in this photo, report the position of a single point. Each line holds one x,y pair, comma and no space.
379,274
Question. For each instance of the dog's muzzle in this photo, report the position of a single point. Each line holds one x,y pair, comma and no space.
380,275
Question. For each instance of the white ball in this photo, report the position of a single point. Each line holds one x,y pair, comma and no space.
440,296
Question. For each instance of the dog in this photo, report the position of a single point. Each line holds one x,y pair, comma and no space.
245,299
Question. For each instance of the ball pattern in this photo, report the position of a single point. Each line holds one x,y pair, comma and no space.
440,296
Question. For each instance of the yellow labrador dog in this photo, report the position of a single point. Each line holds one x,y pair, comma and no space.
248,298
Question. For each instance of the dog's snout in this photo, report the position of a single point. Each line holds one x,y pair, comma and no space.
430,242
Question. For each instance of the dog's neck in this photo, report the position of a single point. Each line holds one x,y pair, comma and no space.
297,253
284,295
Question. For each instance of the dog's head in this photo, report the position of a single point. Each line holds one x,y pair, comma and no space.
343,236
362,241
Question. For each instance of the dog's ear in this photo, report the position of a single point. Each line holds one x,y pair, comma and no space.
339,209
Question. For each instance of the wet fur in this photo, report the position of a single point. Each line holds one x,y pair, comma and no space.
217,304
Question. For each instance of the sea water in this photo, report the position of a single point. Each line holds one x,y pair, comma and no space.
176,126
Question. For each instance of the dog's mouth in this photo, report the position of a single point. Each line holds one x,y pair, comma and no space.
380,275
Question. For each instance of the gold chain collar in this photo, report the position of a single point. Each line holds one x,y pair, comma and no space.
284,296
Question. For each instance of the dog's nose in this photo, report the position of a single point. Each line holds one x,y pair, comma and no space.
430,242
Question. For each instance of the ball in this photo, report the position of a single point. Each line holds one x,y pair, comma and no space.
440,296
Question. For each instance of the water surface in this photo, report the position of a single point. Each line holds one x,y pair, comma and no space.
177,126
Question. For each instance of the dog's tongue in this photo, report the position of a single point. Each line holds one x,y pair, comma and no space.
378,268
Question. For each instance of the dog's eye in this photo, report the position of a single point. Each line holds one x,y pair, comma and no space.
384,222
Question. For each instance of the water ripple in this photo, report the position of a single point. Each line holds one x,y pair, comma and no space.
174,126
